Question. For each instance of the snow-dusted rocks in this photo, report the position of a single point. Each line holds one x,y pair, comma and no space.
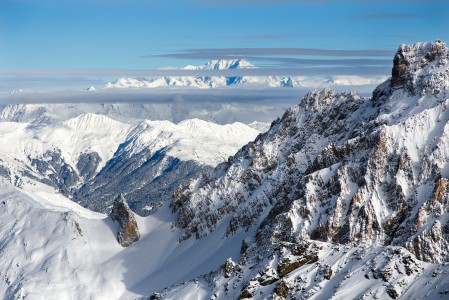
340,168
317,270
128,231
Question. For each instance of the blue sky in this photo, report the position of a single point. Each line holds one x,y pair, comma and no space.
40,37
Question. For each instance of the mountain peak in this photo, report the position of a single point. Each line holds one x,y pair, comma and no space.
223,64
413,59
420,69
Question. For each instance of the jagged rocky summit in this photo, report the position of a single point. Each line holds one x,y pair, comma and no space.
128,231
340,169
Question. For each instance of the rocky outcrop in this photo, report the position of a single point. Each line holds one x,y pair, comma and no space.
87,164
411,59
128,231
58,173
342,168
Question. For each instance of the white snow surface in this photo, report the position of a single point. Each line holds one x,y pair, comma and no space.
201,141
83,134
53,249
193,139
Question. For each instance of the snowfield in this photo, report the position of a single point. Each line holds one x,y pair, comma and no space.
52,248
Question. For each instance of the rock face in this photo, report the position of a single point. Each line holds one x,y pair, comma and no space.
338,173
342,168
128,232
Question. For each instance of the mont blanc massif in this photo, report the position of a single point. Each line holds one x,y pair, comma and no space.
342,197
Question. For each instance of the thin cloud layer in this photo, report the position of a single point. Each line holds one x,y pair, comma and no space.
283,51
218,105
297,61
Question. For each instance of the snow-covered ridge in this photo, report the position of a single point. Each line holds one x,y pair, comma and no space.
86,133
193,139
98,133
93,158
205,82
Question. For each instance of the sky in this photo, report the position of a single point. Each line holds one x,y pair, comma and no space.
80,40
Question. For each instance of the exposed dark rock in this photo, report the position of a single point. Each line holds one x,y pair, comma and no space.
144,177
282,289
288,265
391,291
228,268
128,232
59,174
328,274
245,294
87,164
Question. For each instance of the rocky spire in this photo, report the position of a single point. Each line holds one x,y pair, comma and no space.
410,59
128,231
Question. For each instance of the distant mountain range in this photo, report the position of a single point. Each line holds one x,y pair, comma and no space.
208,82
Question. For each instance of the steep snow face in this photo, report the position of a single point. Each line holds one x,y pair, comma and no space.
59,145
50,251
194,139
93,158
342,168
208,82
54,249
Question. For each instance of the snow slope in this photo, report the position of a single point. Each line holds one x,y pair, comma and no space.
54,249
194,139
92,158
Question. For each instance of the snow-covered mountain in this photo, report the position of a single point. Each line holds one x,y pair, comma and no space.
344,197
223,64
207,82
92,158
343,169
